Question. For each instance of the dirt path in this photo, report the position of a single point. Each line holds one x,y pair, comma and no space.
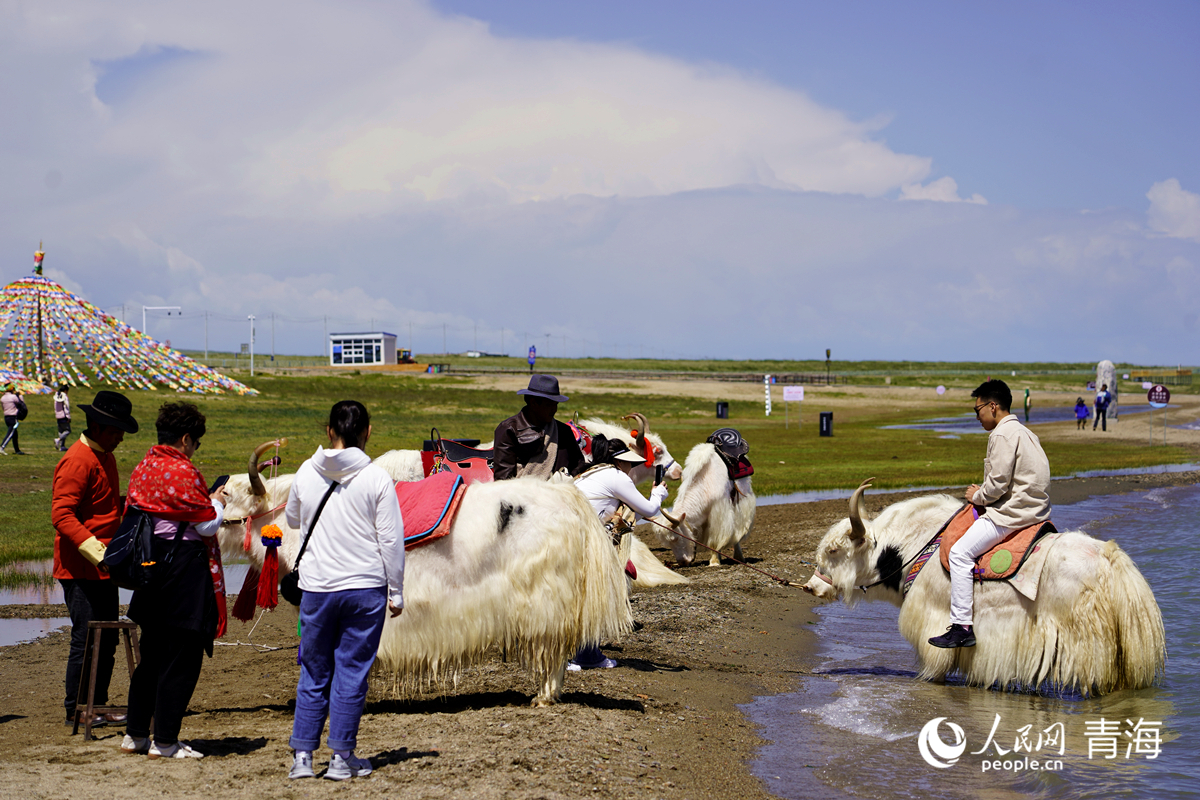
665,724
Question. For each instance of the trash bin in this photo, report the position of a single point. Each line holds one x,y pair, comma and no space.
827,423
722,410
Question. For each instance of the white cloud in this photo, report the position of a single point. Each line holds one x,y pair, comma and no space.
381,164
943,190
1174,211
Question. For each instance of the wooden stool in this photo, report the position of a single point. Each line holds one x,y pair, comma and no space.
91,665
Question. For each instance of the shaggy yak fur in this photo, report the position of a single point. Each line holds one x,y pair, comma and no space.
405,465
1094,628
714,518
527,569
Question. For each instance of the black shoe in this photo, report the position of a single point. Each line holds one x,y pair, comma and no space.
955,636
20,453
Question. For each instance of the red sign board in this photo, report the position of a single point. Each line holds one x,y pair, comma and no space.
1159,395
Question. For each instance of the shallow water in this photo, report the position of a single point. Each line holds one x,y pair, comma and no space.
13,631
853,730
967,423
814,495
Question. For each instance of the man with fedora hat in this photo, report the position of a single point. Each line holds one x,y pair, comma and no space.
533,443
86,509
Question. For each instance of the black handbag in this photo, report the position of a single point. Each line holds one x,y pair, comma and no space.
129,557
22,410
289,585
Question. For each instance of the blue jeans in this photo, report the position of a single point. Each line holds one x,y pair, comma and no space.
341,633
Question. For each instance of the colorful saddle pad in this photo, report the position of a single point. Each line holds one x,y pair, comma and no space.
1003,560
428,507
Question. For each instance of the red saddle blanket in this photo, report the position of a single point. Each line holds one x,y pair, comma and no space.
429,507
1003,560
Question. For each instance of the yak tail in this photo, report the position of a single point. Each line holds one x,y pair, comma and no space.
1141,656
603,611
650,571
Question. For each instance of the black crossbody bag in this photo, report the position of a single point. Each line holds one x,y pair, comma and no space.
129,558
289,586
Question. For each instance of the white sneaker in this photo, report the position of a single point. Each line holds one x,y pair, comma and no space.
177,750
342,768
301,765
131,744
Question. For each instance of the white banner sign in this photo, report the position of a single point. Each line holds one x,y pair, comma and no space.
793,394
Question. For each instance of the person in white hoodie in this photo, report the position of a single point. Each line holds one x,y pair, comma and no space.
352,574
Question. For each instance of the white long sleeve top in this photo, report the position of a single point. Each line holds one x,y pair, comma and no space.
1016,482
607,488
359,539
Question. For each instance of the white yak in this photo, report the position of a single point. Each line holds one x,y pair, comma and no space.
405,465
527,568
709,507
1095,625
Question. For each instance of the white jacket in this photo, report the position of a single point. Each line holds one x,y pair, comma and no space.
1016,477
359,539
607,488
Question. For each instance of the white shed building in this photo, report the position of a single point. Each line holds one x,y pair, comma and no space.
376,347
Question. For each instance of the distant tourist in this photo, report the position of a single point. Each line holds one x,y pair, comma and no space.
1081,414
85,509
62,413
14,410
1014,495
1103,398
532,442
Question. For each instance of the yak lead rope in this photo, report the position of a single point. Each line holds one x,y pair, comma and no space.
775,578
262,648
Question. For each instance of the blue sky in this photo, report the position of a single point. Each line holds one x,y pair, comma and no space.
749,180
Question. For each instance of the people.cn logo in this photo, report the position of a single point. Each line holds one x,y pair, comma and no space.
935,751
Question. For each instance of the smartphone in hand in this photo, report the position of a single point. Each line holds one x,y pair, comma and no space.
658,474
218,483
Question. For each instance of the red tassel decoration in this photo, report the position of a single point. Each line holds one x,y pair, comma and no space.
243,609
268,582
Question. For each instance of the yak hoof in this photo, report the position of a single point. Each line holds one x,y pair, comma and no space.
543,702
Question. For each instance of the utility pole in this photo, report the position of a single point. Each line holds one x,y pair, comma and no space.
251,318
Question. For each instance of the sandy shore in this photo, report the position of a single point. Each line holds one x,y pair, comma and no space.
665,724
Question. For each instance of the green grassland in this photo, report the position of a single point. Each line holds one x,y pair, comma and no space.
404,408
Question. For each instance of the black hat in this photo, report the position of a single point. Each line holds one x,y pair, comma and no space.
544,386
110,408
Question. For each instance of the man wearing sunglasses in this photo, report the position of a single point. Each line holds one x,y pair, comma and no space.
1014,495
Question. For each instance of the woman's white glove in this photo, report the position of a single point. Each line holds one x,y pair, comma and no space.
660,492
93,550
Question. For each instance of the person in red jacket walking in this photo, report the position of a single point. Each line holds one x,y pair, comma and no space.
86,509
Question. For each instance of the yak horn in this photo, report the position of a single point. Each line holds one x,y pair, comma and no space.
643,429
675,521
857,529
256,484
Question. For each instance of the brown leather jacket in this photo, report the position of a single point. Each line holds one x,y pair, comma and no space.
518,441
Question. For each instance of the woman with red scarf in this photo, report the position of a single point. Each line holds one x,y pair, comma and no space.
179,615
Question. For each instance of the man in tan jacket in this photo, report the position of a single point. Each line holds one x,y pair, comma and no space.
1014,495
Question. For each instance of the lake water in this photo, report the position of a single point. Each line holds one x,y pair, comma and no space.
852,730
13,631
966,423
